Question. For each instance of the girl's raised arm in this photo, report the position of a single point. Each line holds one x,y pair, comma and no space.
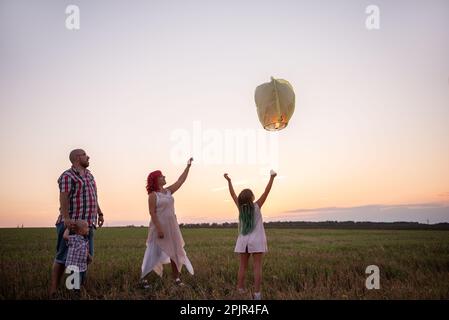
231,189
264,196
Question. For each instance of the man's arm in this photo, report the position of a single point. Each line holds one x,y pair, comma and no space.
64,208
99,212
100,216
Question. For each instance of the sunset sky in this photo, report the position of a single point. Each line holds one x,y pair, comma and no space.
143,85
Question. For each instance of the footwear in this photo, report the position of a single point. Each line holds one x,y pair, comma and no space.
257,296
53,296
76,294
241,290
145,284
179,283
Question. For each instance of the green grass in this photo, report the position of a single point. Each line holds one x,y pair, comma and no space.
300,264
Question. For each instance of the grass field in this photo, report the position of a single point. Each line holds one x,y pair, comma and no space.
300,264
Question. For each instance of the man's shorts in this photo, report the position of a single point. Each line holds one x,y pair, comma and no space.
61,245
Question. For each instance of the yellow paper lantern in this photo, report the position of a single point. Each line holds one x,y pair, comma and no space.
275,103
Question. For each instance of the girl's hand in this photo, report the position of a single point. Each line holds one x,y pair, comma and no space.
227,177
160,234
273,173
189,163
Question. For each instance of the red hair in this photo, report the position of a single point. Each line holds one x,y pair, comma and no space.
152,184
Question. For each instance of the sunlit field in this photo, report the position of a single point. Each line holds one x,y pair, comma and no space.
300,264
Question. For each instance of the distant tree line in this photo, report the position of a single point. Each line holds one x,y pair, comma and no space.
330,225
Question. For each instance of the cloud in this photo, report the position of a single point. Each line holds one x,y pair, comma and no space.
444,195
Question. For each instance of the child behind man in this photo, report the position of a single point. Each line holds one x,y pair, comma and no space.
78,256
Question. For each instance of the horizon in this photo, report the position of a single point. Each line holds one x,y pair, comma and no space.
437,218
211,224
144,86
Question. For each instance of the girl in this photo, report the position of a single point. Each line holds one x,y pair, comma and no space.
251,239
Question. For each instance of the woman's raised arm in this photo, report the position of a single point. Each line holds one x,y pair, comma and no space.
182,178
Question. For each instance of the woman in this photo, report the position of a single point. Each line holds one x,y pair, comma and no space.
165,243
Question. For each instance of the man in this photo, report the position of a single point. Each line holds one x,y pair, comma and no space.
78,201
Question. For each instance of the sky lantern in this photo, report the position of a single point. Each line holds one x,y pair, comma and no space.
275,103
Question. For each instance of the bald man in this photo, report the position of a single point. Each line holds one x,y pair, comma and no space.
78,201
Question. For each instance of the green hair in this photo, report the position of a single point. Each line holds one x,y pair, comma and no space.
246,218
246,211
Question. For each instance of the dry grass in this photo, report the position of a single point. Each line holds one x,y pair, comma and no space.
301,264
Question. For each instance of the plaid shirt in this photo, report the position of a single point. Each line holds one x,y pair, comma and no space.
77,252
82,192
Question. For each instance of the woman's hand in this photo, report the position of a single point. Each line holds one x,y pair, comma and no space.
160,234
227,177
189,163
273,173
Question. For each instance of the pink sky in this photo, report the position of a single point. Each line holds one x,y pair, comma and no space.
142,87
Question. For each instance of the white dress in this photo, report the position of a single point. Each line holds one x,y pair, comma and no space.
256,240
160,251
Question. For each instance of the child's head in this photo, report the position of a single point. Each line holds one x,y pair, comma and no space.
246,211
81,227
246,196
